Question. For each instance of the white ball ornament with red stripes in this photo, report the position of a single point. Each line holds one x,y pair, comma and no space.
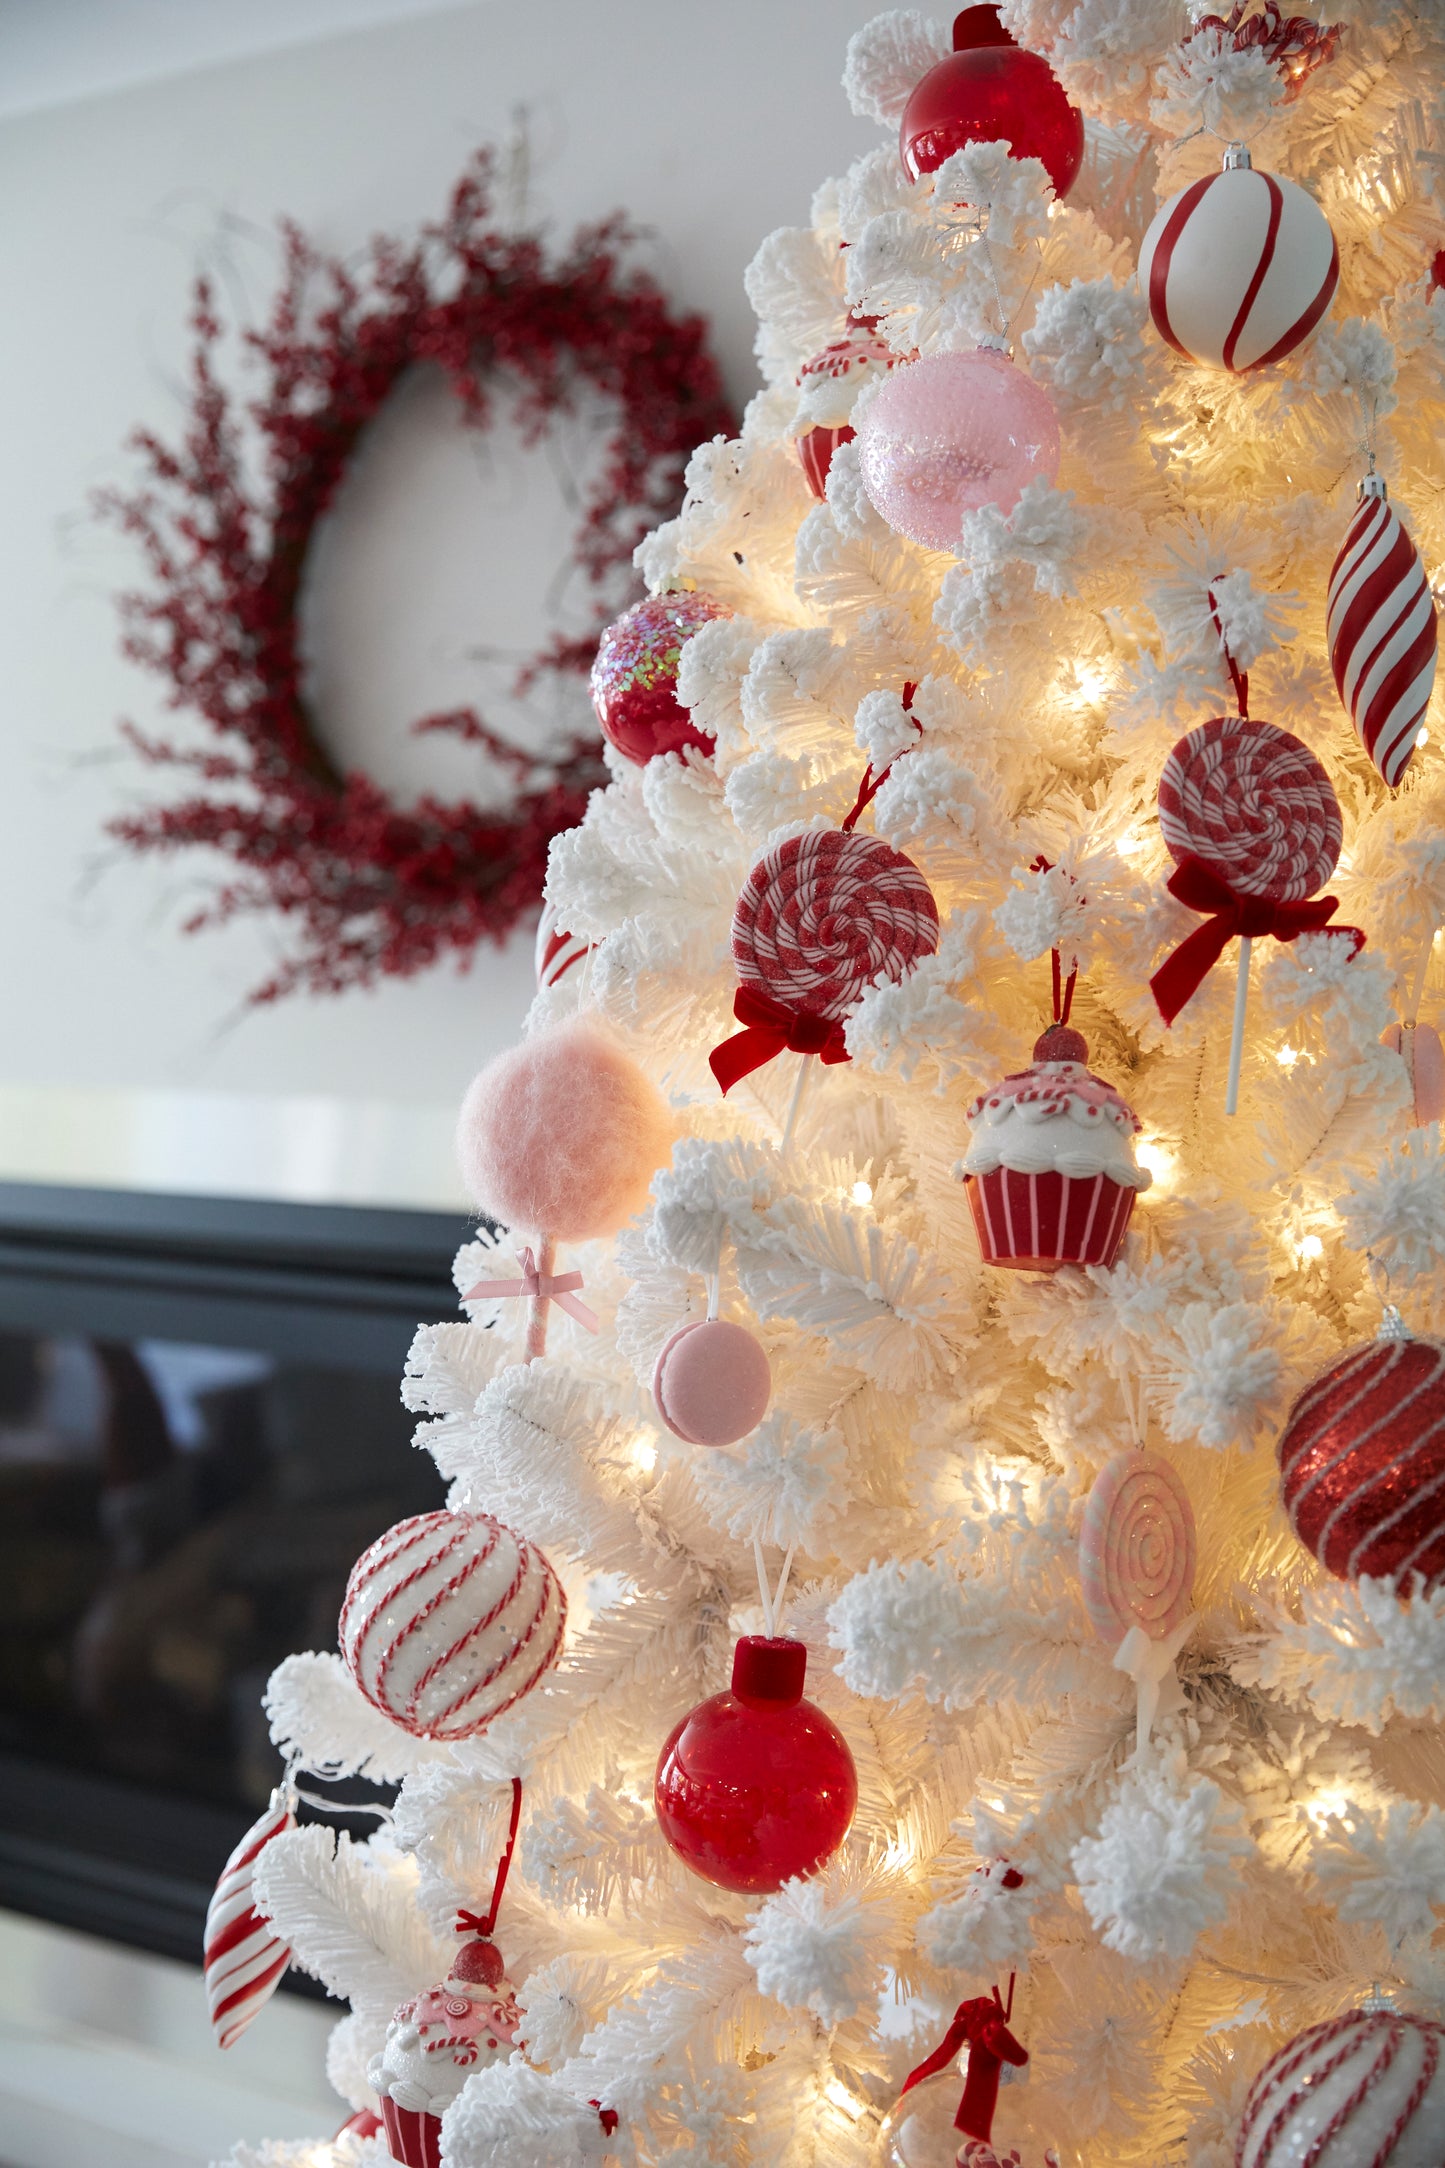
448,1620
244,1956
1238,268
1384,636
1363,2090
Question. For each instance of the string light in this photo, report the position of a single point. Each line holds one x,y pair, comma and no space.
1159,1160
840,2096
643,1454
862,1193
1287,1056
1308,1249
1330,1807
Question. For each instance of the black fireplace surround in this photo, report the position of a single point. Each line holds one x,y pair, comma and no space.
200,1429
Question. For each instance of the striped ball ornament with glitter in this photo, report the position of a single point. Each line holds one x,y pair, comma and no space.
1238,268
1383,632
448,1620
1363,2090
244,1956
1362,1460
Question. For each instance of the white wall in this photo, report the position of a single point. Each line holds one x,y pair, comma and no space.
708,125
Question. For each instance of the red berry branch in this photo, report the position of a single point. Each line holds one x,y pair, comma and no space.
225,520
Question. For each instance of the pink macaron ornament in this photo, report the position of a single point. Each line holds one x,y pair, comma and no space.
559,1138
712,1382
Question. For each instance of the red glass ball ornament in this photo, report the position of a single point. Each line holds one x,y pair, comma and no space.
1362,1460
756,1785
991,90
634,678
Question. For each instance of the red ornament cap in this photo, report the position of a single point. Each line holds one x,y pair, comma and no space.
978,26
769,1673
479,1962
1061,1043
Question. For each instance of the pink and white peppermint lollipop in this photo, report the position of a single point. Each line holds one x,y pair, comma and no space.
1253,823
824,915
1137,1549
1254,805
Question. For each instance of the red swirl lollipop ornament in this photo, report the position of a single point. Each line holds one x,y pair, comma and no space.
1137,1552
822,916
1253,825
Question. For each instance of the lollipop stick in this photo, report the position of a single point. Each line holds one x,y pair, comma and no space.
537,1314
805,1062
1236,1043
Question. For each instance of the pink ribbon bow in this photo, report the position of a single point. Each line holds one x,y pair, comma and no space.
558,1287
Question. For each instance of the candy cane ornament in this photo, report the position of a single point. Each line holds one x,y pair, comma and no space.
244,1957
1383,631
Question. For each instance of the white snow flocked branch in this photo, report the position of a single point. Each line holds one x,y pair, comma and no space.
590,1855
823,1944
922,1022
987,1929
511,2116
1359,1652
1387,1866
955,1641
1398,1207
1088,345
886,59
320,1720
784,1485
1163,1865
349,1915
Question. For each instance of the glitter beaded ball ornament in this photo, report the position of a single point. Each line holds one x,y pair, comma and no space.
991,90
244,1956
1362,1460
1239,268
828,385
950,434
712,1382
634,678
1051,1175
1365,2090
756,1785
1383,633
448,1620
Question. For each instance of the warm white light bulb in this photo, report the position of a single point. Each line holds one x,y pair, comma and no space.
1157,1158
1308,1249
862,1193
1287,1056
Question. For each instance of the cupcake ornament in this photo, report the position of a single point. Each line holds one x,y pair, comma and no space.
434,2043
1051,1175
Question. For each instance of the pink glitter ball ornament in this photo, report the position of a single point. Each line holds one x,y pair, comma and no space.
634,678
950,434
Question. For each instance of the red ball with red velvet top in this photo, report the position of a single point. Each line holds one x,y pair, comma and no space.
634,678
991,90
756,1785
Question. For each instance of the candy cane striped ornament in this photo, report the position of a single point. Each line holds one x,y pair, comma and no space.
244,1956
1383,631
1364,2090
1239,268
449,1619
825,914
556,950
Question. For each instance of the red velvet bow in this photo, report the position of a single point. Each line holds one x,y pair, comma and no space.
772,1030
1250,918
981,2025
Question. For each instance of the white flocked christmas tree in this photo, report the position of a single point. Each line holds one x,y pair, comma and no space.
1177,1900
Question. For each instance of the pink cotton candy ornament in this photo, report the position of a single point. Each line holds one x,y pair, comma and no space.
562,1135
712,1382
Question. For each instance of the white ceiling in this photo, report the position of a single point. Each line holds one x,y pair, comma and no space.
54,51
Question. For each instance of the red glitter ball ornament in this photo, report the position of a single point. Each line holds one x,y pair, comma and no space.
991,90
634,679
756,1785
1362,1460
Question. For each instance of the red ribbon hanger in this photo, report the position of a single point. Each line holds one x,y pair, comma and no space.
773,1030
980,2025
483,1924
1231,916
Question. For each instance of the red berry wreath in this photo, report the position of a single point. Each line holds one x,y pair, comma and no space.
226,518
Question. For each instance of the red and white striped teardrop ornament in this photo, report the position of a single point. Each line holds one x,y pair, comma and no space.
1383,631
556,950
1238,268
244,1956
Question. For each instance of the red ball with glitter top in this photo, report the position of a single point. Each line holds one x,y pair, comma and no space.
1362,1461
634,678
991,90
756,1785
